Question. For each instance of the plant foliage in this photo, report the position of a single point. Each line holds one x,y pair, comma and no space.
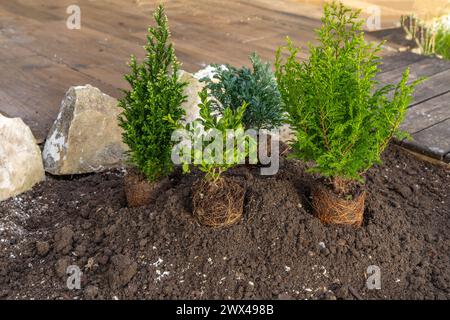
431,39
231,87
443,42
219,159
152,108
342,119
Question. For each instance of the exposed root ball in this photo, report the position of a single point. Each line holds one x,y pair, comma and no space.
139,191
332,209
217,204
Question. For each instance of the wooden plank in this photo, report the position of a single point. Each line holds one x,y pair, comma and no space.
399,61
423,68
46,58
37,90
427,114
116,20
29,10
393,37
428,159
10,50
14,108
433,86
433,141
81,49
227,29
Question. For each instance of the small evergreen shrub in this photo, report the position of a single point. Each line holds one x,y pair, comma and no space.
220,159
152,107
342,121
231,87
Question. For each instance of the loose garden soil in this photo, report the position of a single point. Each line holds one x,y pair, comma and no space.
277,251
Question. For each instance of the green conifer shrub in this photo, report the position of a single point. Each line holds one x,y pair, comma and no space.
341,117
152,107
232,86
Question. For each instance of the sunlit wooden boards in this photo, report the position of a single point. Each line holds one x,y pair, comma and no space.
40,58
428,118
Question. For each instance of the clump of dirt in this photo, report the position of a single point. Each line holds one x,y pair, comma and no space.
63,240
122,270
278,250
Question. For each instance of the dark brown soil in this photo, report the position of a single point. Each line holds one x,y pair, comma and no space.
278,250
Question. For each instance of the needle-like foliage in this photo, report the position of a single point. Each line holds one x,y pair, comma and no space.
342,118
152,107
232,86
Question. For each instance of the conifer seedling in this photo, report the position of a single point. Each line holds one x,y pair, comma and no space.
257,87
342,118
152,107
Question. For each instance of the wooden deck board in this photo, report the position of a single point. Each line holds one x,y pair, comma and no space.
44,58
427,114
428,118
398,62
426,67
433,141
47,58
435,85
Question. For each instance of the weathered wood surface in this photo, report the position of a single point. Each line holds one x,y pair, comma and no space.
43,58
428,118
40,58
431,141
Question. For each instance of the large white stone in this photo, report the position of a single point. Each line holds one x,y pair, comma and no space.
191,91
86,136
20,158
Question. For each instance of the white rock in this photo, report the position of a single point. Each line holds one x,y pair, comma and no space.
191,91
86,136
208,72
286,133
20,158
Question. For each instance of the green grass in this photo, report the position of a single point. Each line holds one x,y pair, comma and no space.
443,43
